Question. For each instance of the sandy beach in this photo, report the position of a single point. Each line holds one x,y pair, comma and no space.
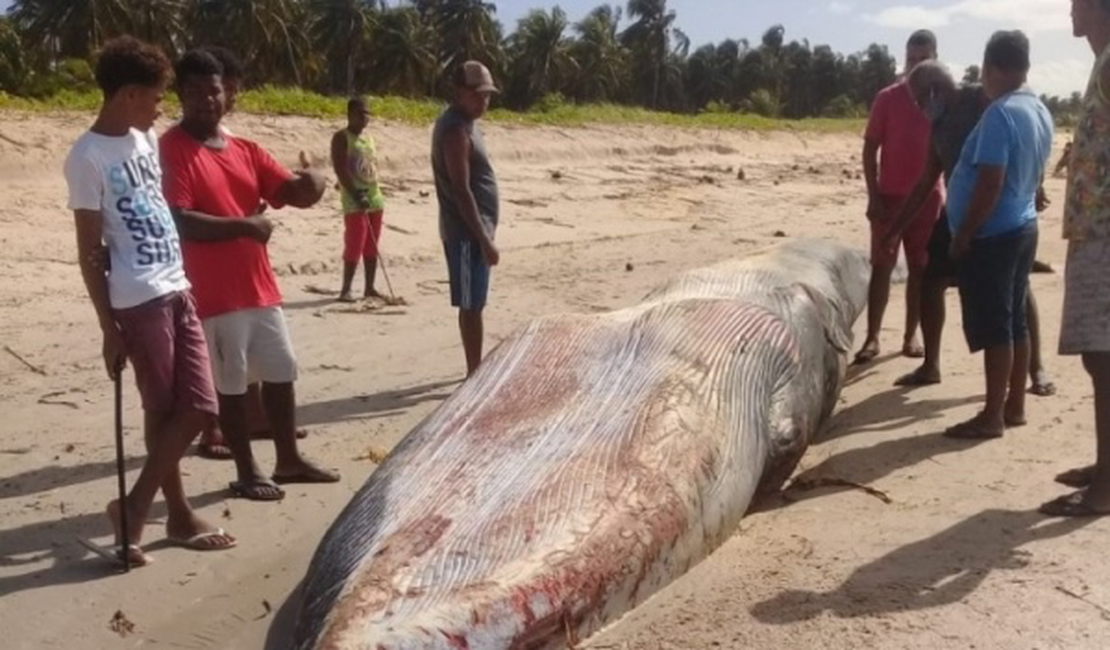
944,549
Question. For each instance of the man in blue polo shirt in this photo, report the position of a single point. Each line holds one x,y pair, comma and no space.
993,218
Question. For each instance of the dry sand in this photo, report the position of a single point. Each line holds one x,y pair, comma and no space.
593,218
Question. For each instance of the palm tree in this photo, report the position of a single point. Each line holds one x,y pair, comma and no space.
601,60
467,30
269,35
649,38
69,28
403,59
161,22
539,55
342,29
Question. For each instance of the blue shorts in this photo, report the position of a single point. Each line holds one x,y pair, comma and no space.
468,273
994,281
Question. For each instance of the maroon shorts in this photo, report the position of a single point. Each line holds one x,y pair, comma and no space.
165,345
915,239
361,236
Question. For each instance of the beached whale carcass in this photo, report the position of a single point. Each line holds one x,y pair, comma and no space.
592,460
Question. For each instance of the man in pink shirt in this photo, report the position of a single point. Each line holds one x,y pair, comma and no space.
894,151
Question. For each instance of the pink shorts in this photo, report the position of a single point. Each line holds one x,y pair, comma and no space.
915,239
361,236
166,347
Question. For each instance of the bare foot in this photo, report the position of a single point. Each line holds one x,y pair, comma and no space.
345,297
977,428
913,349
372,293
135,554
921,377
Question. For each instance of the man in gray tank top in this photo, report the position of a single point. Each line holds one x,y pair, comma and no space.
953,111
466,188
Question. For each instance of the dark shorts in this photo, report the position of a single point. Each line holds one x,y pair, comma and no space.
166,346
994,281
468,272
941,266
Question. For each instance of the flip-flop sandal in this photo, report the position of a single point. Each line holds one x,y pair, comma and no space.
1079,477
115,553
252,490
214,452
1045,389
971,431
307,478
1071,505
197,542
865,357
916,378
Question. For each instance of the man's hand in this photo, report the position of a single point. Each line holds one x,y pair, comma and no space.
308,188
490,253
961,244
891,241
115,354
260,225
875,208
363,199
1043,201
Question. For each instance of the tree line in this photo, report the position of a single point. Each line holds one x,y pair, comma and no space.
632,55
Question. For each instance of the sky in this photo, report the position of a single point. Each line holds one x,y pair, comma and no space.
1061,62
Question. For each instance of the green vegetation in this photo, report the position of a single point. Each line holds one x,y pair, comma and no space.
270,100
551,70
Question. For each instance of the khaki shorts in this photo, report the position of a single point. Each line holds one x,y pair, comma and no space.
248,346
1085,326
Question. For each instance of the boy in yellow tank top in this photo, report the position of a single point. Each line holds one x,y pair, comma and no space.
354,158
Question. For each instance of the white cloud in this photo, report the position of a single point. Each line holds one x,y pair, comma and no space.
1027,15
842,8
910,17
1061,77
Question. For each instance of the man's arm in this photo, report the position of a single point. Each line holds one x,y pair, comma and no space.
988,187
90,257
871,177
456,148
925,185
339,164
201,227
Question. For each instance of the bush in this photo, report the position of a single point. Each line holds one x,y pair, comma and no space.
843,107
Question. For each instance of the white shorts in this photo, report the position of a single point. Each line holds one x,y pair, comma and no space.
248,346
1085,326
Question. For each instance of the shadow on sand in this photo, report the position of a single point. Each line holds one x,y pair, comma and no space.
936,571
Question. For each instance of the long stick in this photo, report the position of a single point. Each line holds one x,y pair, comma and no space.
126,546
381,260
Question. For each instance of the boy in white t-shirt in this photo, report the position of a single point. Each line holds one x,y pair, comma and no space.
142,301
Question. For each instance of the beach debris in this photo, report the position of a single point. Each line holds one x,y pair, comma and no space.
373,454
120,624
556,174
424,194
628,267
779,233
30,366
1042,267
50,399
741,175
807,485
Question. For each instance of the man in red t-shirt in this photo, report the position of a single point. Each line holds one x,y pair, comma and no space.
218,187
894,151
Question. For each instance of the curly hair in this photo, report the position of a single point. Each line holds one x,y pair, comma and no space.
197,63
126,61
228,61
